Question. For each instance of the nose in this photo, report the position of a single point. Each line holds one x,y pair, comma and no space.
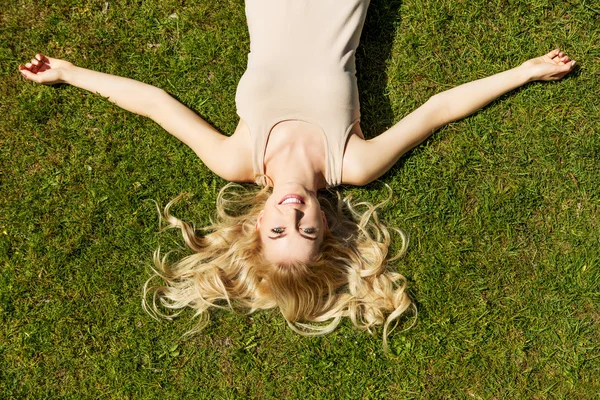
294,214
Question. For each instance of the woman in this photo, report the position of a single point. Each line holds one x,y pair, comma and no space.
298,132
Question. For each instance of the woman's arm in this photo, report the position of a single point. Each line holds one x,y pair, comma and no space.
365,161
220,153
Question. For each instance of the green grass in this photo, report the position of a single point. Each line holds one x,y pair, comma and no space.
501,208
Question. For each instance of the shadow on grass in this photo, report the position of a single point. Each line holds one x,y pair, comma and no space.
375,50
377,115
371,58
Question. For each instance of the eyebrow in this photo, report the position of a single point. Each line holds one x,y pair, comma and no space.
285,234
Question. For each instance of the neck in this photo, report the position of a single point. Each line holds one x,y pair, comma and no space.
294,166
295,153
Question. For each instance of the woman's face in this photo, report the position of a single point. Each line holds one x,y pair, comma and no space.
291,225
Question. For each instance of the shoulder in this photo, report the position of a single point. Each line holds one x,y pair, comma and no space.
353,172
236,156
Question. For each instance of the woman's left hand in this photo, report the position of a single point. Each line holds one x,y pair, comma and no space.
552,66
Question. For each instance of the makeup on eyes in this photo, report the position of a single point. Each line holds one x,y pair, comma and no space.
307,233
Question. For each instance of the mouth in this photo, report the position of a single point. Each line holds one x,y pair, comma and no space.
291,199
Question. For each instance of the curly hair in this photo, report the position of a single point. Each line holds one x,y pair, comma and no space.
350,277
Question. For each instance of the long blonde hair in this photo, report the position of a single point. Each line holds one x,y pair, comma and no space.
350,277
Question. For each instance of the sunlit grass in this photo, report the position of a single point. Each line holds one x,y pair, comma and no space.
501,208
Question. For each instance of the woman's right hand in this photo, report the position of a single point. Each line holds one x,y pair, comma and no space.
45,70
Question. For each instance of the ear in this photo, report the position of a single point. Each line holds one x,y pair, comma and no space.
324,219
259,220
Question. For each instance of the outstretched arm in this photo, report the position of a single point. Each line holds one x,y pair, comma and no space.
365,161
217,151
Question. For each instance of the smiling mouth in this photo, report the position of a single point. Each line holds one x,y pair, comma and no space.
291,199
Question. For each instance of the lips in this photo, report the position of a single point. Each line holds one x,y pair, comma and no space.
291,199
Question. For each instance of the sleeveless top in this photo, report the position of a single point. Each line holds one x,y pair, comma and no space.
301,66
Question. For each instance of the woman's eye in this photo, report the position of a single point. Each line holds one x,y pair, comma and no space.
309,230
277,230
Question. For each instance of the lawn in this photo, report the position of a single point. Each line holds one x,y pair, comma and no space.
501,208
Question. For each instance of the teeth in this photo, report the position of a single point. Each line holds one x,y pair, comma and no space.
291,200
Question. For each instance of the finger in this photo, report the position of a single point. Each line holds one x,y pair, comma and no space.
32,68
30,75
566,66
562,59
35,65
42,58
564,69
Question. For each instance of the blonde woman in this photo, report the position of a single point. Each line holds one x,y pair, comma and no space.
299,132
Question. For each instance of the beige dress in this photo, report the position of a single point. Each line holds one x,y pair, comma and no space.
301,66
